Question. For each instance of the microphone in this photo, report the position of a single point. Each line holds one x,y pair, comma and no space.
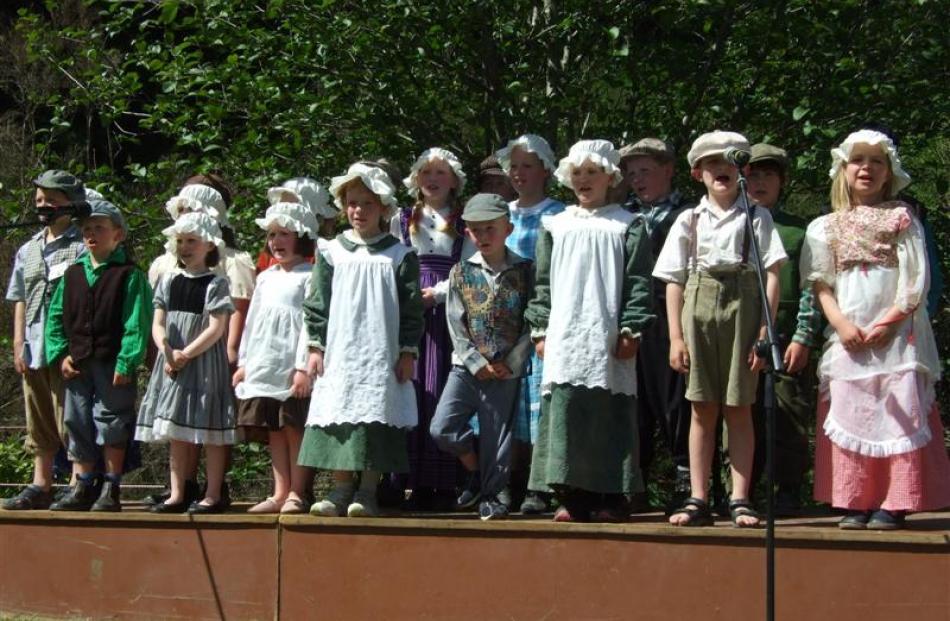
737,157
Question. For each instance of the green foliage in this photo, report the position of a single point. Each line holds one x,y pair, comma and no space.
16,466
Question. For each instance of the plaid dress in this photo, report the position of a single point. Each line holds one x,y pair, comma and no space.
527,223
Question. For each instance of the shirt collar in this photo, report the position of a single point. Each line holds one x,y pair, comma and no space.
118,256
511,259
705,205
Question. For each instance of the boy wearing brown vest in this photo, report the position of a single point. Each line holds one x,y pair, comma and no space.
99,321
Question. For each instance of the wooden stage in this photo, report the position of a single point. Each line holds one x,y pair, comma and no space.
136,565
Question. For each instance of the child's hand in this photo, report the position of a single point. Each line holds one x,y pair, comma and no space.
238,377
851,336
880,335
501,370
18,363
179,359
428,297
627,347
539,349
679,356
119,379
404,368
69,371
315,364
232,355
301,386
796,357
756,363
170,371
485,373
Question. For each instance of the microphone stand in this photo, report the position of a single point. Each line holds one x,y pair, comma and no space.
769,351
21,225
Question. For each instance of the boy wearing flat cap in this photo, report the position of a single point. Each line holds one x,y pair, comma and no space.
100,318
39,265
648,167
715,317
798,324
488,294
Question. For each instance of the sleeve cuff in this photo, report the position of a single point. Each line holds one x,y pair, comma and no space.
537,334
409,349
315,345
629,332
803,339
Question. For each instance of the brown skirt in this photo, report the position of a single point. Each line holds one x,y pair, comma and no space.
261,415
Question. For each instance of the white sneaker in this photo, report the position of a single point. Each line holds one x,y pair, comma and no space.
363,505
334,505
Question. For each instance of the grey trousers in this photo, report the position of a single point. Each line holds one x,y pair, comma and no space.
96,413
494,402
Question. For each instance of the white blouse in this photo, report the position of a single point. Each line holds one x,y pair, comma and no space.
235,265
719,241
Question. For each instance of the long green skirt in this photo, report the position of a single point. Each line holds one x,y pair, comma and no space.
355,447
587,439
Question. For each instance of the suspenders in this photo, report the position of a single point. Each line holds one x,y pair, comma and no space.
694,243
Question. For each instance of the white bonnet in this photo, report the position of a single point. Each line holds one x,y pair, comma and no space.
193,223
293,216
530,143
435,153
375,179
94,195
600,152
309,192
841,154
197,197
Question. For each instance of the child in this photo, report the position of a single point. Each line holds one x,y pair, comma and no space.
768,174
488,293
529,162
188,401
271,380
715,313
208,194
648,167
880,452
315,199
433,227
364,321
37,270
492,179
592,301
98,324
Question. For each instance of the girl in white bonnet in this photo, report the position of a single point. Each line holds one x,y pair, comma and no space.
880,445
433,227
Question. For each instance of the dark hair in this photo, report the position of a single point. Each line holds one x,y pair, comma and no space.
303,246
771,165
391,170
211,259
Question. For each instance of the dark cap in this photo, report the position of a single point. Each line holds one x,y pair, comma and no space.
762,152
652,147
105,209
484,207
64,182
491,166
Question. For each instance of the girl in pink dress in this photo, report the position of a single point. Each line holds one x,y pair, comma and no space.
880,450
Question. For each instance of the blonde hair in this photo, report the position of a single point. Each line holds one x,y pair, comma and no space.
841,199
449,227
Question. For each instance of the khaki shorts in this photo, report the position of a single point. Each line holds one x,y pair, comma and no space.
43,391
721,318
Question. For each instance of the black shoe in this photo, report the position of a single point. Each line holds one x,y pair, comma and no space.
81,496
197,508
533,504
32,497
169,508
882,519
109,498
153,500
855,520
492,509
471,492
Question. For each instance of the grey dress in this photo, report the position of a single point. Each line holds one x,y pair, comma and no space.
196,405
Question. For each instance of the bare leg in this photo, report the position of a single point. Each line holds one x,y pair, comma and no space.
741,450
178,460
216,458
702,444
43,469
280,465
301,477
114,457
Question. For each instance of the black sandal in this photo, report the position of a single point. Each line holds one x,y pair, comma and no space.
741,508
698,512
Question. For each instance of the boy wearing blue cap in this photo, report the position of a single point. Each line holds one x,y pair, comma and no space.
39,265
99,321
488,294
